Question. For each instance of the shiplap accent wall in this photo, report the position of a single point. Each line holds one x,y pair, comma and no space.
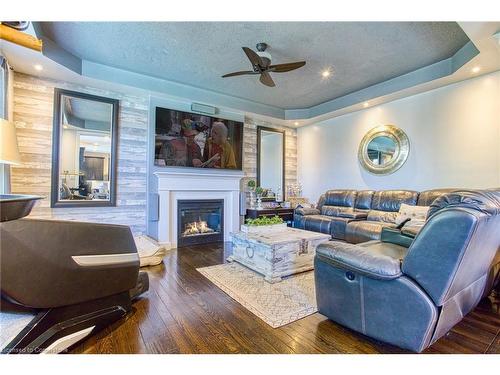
33,113
250,150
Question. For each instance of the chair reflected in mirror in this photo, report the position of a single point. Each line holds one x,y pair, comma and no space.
84,160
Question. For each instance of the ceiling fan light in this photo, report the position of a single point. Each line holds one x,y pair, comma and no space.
264,54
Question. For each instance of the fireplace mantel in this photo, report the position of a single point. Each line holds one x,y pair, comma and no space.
184,185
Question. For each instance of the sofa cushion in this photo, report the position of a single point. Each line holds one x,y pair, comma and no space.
336,210
341,198
334,226
362,231
382,216
355,214
306,211
484,201
425,198
412,228
317,223
338,227
364,199
390,200
386,204
373,259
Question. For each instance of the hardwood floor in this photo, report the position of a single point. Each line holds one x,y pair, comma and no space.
183,312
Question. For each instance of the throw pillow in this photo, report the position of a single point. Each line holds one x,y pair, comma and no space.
415,213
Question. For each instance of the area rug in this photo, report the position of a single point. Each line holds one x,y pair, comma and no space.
276,304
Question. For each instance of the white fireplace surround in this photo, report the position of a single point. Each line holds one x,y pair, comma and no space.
190,185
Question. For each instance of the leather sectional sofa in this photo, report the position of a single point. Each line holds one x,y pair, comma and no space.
359,216
407,288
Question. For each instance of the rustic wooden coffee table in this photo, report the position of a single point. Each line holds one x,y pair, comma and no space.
278,253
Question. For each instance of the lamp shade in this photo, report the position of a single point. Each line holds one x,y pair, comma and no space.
9,153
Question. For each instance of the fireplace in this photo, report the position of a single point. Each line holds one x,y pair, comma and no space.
200,221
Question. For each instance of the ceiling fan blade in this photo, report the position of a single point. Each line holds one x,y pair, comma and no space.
238,73
266,79
282,68
253,57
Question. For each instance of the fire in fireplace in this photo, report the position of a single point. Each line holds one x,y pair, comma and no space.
200,221
197,228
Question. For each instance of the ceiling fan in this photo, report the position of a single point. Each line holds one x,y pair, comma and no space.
261,64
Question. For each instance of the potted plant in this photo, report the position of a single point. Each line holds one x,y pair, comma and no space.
251,185
263,224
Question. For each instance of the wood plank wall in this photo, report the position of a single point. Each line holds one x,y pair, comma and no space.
33,111
250,150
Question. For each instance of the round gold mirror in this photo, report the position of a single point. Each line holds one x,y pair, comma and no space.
384,149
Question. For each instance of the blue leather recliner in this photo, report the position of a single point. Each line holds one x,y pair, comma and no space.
410,297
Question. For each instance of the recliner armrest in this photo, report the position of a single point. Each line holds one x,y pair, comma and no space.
303,211
354,215
359,259
395,236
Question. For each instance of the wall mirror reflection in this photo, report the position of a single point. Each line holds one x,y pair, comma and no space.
381,150
271,161
84,149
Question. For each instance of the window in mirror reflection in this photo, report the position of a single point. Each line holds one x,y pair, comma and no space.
381,150
85,149
271,163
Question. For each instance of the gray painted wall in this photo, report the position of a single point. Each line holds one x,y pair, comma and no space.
454,134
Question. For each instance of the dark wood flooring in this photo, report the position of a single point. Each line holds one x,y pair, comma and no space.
183,312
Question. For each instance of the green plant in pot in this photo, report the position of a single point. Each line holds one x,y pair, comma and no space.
251,185
264,220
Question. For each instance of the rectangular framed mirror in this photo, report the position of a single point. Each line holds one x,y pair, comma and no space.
271,161
84,150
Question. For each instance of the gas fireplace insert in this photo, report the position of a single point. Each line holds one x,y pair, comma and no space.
200,221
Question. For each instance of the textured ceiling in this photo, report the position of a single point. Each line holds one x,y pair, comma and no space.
360,54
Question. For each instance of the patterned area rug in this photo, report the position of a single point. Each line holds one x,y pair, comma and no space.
276,304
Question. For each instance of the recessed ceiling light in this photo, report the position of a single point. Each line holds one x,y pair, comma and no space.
366,104
476,69
296,123
96,144
38,67
65,126
326,73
